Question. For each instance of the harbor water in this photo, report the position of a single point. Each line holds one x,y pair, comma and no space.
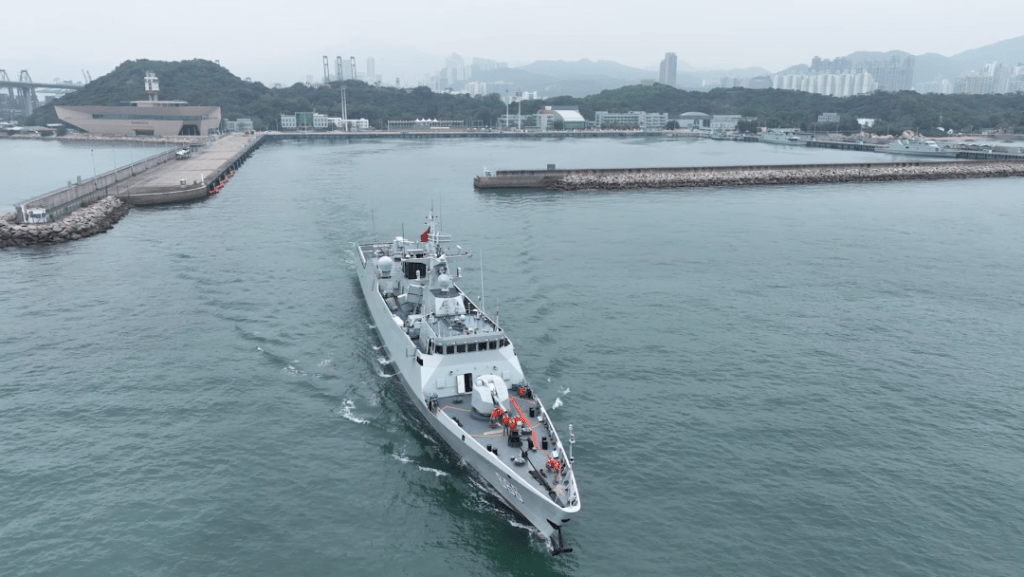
763,381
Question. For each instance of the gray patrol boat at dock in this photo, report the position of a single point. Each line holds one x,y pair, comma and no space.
463,376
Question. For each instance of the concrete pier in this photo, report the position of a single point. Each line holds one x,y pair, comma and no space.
707,176
89,207
157,179
202,172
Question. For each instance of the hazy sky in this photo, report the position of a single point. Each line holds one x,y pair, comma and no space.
284,41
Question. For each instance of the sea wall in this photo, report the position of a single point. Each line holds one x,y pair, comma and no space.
86,221
791,175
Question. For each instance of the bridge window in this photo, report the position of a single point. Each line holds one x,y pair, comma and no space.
493,345
451,350
438,349
472,347
460,348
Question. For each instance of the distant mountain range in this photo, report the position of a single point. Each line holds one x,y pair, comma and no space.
932,68
584,77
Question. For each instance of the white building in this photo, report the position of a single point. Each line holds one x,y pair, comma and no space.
288,122
693,120
354,124
725,121
632,119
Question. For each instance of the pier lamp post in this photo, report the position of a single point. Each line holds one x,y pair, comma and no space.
92,153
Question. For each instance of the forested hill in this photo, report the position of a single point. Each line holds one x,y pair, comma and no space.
205,83
201,82
897,111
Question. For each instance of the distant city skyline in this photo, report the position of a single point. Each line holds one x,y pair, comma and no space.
414,40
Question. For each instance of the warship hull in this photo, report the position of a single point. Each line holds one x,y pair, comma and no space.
547,498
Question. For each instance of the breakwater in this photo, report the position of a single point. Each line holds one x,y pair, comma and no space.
90,206
705,176
90,220
57,203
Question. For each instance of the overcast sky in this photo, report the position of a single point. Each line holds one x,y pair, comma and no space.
285,41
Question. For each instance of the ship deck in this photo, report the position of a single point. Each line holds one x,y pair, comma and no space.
534,471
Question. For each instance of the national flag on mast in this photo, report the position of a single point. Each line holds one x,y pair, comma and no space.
425,236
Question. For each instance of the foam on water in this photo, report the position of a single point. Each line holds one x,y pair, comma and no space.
345,410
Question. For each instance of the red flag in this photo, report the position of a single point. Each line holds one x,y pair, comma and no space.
425,236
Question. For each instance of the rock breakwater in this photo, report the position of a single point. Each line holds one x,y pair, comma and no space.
96,218
710,177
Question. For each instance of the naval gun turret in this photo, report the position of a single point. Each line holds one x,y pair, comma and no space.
490,392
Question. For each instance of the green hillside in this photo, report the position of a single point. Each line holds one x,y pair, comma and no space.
201,82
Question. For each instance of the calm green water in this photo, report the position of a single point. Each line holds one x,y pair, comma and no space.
820,380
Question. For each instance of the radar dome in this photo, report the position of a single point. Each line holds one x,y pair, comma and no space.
385,264
444,281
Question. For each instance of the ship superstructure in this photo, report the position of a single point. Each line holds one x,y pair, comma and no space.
462,373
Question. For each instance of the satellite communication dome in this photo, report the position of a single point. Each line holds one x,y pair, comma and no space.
444,281
385,264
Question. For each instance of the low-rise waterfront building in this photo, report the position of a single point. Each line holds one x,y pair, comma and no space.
725,121
349,125
426,124
634,119
694,120
568,116
240,125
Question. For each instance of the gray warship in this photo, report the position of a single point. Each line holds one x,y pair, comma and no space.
462,374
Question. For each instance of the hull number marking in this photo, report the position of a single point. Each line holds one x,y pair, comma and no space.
509,487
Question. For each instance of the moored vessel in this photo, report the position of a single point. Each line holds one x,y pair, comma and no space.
462,374
918,147
783,136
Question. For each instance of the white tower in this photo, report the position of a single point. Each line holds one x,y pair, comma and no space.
152,86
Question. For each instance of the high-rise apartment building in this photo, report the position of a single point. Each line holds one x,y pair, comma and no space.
668,69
